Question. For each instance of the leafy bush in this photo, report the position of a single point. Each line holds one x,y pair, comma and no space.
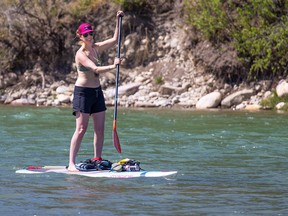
262,40
271,102
80,8
209,17
145,6
255,28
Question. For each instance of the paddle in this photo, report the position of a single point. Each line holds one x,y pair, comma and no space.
114,133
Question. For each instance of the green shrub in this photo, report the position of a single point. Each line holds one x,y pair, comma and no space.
261,37
271,102
145,7
79,8
209,17
257,30
134,5
159,80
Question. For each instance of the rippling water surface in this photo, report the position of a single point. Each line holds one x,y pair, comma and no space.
228,163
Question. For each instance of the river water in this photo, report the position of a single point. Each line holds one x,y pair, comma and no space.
228,163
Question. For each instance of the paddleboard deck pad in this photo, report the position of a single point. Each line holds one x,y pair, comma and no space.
102,173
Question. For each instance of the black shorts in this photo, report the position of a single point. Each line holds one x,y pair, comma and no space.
88,100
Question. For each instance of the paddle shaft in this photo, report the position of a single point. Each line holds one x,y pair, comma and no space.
117,70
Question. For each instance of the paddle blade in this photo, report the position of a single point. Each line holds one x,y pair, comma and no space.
116,141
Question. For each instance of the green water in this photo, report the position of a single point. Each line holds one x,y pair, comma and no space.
229,163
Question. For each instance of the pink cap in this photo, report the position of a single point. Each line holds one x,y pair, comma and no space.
85,28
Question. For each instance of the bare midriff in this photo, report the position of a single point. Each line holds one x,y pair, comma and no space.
87,79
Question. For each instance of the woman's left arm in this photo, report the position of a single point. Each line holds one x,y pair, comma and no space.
101,46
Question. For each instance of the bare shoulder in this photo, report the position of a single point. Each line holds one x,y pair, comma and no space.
80,52
97,46
80,55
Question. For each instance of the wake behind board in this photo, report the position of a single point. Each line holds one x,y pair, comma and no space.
95,174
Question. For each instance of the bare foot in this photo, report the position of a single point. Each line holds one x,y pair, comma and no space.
72,168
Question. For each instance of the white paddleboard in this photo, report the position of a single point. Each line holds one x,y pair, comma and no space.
102,173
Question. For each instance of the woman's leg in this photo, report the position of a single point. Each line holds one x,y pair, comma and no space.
99,124
82,120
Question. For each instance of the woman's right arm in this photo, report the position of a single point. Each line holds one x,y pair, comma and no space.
86,62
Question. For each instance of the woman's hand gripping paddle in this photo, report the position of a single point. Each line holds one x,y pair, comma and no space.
115,135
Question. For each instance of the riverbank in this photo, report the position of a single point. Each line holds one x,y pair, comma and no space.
170,74
139,88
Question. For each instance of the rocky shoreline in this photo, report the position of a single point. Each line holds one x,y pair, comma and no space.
141,89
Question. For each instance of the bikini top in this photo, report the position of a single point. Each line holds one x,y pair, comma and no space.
85,69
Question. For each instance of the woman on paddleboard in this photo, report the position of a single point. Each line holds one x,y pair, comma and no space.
88,96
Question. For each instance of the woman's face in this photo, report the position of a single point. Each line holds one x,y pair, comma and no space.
87,36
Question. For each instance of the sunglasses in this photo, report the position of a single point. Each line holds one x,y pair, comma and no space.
86,34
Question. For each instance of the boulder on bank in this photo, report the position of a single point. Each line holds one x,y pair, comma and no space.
169,90
211,100
282,89
23,101
280,105
62,98
237,98
62,89
128,89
